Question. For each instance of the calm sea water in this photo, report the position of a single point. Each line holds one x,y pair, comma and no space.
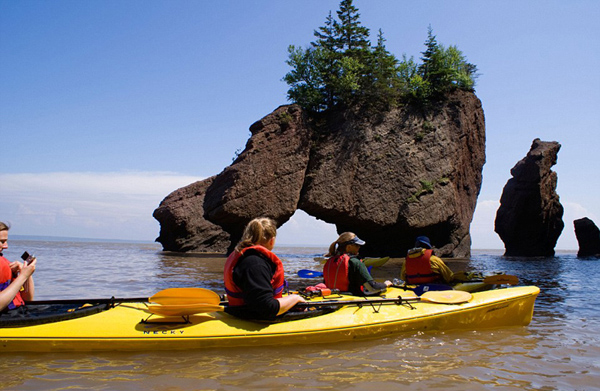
559,350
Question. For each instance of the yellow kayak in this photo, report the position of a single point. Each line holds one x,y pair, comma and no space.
132,326
374,262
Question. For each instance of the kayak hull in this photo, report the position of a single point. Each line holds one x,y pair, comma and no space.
131,327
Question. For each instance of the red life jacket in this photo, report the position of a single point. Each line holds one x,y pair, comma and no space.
418,269
234,293
335,272
5,280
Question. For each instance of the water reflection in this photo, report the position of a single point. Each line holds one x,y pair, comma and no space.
185,270
513,358
206,270
559,350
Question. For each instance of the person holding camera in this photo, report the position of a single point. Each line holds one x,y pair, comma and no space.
16,281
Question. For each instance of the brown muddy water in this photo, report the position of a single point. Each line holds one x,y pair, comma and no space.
559,350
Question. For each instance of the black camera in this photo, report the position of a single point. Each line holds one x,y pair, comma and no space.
27,258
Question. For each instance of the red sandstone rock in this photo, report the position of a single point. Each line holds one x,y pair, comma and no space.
588,237
529,220
388,179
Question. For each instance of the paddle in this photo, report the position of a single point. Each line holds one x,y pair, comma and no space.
422,288
438,297
494,279
181,301
305,273
184,302
501,279
179,296
367,261
169,296
183,309
498,279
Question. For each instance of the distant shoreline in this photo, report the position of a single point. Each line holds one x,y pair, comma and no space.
74,239
283,245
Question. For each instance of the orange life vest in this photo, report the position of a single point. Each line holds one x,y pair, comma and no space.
5,280
335,272
418,269
234,293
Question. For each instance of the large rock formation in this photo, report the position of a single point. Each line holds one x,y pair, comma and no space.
529,220
588,237
388,179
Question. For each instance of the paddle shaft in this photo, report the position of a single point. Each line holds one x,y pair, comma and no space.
501,279
167,296
395,300
95,301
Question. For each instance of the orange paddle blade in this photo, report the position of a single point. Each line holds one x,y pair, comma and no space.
174,296
183,309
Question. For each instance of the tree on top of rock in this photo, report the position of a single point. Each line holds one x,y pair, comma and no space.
342,69
444,69
336,68
353,37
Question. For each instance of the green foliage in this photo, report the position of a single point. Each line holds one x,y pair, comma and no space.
285,119
427,187
342,69
444,69
336,69
309,80
426,128
352,37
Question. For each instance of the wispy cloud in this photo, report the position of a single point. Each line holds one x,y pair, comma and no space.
110,205
119,205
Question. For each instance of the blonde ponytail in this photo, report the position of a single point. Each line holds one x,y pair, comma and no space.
258,231
339,246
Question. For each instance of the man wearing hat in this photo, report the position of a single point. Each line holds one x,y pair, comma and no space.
346,272
422,267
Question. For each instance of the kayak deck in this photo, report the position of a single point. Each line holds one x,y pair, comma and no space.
131,326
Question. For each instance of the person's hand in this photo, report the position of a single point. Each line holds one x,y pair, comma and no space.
388,283
28,270
15,268
288,302
298,298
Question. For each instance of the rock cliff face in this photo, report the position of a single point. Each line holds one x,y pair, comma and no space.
389,179
529,220
588,237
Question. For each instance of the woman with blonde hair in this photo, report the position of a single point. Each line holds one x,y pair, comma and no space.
346,272
254,275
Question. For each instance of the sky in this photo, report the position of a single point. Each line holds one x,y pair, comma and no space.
108,106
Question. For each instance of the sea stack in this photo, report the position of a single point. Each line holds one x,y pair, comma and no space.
388,178
588,237
529,220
